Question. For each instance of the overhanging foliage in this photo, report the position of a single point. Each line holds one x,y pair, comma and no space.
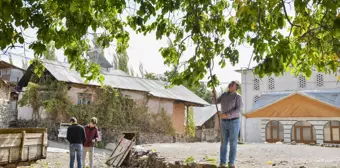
214,28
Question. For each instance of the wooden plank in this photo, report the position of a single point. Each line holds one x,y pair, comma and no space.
120,152
19,130
42,144
32,142
22,144
15,155
33,135
25,159
10,143
34,152
9,155
9,136
4,156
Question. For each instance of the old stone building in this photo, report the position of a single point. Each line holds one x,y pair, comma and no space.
9,76
173,100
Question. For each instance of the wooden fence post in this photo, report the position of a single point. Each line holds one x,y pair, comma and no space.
42,144
21,153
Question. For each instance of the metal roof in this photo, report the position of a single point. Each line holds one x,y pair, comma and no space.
62,72
331,97
121,80
4,64
203,114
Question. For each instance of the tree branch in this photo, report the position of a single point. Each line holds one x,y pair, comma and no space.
285,10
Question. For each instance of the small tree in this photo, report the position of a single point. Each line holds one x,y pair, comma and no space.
190,123
32,98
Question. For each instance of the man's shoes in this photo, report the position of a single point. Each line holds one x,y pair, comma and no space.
223,166
231,166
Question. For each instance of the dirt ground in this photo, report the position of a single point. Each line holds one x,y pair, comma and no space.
58,157
249,155
255,155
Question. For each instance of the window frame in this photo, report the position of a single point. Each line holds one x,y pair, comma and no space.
278,127
84,98
331,132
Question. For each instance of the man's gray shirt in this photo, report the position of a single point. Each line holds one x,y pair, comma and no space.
231,104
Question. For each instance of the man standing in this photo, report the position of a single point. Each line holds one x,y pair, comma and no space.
76,137
231,103
91,137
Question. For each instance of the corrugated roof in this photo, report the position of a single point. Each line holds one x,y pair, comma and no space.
203,114
121,80
269,98
62,72
331,97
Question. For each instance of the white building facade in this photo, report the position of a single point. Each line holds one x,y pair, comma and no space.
272,98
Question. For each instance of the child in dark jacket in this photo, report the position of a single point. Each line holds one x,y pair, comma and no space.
91,132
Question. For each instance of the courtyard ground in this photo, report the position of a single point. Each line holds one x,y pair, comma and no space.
249,155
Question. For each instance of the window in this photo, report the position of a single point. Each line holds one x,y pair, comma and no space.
256,98
302,81
303,132
256,84
84,98
331,132
274,132
319,80
271,83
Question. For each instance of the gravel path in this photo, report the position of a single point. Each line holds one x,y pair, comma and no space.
255,155
249,155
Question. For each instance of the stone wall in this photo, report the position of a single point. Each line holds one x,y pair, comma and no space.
4,90
5,113
111,138
150,138
209,135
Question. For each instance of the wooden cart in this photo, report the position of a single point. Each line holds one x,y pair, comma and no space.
22,146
